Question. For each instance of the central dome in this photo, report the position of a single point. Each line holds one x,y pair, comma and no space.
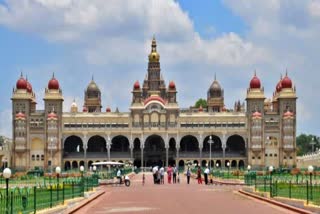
93,87
215,89
154,56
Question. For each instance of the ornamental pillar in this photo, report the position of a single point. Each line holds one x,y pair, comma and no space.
108,147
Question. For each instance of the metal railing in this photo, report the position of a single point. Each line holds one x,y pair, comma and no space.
35,197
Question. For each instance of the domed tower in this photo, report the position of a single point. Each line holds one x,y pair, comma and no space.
287,110
53,101
92,97
255,96
154,83
255,115
137,93
74,107
215,97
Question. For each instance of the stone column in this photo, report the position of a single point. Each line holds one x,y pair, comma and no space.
142,147
177,156
223,150
167,156
85,147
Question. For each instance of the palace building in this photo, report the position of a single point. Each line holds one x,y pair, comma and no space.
258,132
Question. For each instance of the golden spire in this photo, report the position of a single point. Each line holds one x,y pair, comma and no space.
154,56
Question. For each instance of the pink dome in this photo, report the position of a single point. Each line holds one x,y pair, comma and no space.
136,85
22,83
255,82
257,114
172,85
108,109
53,84
286,82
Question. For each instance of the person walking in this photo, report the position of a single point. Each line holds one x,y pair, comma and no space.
188,175
169,172
206,174
154,172
199,175
143,179
119,175
161,175
174,174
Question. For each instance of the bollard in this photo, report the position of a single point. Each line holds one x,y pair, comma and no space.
35,199
50,195
72,188
63,192
290,189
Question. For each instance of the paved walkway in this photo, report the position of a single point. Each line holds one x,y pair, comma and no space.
175,198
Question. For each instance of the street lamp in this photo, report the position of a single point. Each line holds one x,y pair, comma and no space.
81,171
228,165
210,141
310,170
7,175
58,171
248,175
270,170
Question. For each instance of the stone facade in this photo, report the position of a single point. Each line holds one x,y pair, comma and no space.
155,130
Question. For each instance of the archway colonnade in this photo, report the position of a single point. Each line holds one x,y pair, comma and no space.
155,149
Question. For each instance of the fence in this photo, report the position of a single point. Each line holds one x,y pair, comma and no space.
304,188
31,199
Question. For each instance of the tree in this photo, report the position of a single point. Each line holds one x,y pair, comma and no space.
304,145
201,102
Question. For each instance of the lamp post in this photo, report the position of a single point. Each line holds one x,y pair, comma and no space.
210,141
7,175
228,165
81,171
58,171
248,177
270,170
310,170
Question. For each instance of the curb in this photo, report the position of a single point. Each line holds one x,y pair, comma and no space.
84,203
276,203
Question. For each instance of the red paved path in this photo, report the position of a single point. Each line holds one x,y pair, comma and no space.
175,198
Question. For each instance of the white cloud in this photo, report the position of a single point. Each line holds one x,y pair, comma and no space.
112,40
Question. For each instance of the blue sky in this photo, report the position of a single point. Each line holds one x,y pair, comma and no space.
76,39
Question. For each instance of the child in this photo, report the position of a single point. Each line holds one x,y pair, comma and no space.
143,179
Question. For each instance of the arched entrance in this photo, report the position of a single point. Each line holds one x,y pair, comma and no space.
120,147
73,147
234,164
216,147
181,163
97,144
236,146
137,152
67,166
154,151
172,152
189,147
74,165
241,164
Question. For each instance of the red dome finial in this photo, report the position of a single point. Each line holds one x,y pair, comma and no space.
279,85
29,86
172,85
136,85
53,83
84,109
255,81
21,83
286,82
108,109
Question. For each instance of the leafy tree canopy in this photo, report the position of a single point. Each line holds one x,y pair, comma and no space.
304,144
200,102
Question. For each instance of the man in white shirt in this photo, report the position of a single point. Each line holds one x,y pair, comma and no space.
154,172
206,173
161,175
119,175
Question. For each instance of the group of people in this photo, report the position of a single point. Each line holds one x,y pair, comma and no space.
206,176
172,174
